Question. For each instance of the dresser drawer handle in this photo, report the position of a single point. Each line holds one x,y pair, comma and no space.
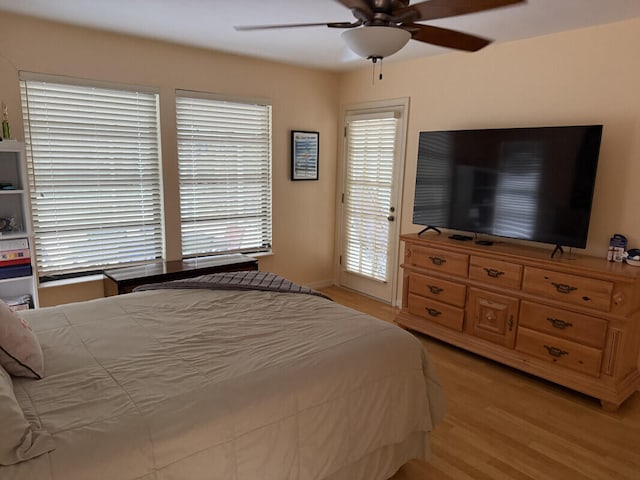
563,288
435,290
438,260
433,312
492,272
555,351
557,323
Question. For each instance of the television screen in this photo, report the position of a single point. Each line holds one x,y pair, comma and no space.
527,183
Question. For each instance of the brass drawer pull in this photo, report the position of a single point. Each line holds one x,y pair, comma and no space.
510,323
438,260
557,323
435,290
492,272
563,288
555,351
433,312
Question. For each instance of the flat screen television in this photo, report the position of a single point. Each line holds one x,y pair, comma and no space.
532,184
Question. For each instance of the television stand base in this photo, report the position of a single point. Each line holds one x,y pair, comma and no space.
555,250
429,228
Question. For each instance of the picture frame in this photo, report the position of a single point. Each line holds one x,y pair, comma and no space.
305,150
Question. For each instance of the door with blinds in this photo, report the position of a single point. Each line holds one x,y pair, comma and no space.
373,163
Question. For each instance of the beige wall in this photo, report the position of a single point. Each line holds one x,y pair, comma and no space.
302,99
580,77
585,76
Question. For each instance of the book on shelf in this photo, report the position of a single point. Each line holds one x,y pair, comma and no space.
10,244
15,257
15,271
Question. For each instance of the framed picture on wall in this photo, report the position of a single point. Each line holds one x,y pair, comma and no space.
304,155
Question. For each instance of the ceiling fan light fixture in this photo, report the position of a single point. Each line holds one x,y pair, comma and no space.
376,41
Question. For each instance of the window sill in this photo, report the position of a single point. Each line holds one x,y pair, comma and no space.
72,281
260,254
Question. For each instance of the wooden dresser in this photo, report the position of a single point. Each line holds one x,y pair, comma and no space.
574,320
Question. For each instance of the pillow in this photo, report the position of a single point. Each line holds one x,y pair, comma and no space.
19,440
20,351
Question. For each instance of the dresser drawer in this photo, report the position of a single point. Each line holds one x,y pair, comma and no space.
588,292
438,289
559,351
435,311
495,272
561,323
437,260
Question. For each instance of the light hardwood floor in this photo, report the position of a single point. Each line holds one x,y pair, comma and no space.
504,424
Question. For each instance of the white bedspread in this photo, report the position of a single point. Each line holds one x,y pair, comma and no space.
197,384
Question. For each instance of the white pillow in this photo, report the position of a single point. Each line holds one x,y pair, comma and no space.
20,351
19,440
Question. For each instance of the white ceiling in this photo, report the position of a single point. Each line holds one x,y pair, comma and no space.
209,24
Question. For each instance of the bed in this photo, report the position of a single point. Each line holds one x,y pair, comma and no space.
196,381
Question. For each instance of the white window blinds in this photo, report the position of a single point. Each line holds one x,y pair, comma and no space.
371,151
224,157
94,172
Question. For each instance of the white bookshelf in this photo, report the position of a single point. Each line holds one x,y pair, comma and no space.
16,203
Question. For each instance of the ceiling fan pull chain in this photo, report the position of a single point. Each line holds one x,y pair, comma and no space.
374,60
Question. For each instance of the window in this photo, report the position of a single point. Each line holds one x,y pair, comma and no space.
94,172
224,157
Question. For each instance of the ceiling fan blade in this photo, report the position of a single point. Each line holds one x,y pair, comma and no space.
434,9
246,28
445,37
358,6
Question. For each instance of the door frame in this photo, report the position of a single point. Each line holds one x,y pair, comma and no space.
364,108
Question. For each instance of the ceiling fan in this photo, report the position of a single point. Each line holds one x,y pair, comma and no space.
382,27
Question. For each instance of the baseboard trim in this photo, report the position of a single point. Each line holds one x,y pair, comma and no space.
321,284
